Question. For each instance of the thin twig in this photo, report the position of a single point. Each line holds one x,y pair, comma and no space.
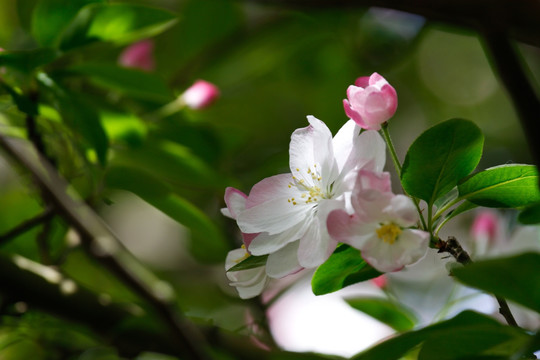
27,225
454,248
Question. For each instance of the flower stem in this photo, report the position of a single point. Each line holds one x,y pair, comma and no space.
453,247
397,165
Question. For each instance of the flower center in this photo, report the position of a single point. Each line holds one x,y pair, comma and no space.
388,233
309,182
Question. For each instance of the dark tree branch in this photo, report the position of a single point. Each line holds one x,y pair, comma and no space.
102,245
454,248
519,16
47,215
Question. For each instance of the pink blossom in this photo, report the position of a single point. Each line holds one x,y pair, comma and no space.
370,102
379,227
380,281
290,210
139,55
485,225
200,95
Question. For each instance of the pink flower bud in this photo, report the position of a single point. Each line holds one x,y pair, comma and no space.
200,95
380,281
139,55
485,226
370,102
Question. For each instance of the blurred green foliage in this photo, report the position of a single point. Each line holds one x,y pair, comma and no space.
100,124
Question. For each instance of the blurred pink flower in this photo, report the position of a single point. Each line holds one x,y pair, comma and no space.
200,95
139,55
379,228
380,281
485,225
370,102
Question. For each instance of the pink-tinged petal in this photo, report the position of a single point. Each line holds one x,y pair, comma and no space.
353,114
248,238
376,79
339,225
138,55
283,262
390,95
370,180
362,81
235,201
380,281
200,95
267,244
227,213
316,245
269,189
402,211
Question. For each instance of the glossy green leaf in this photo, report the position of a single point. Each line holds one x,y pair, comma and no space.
207,242
468,335
530,215
115,22
124,127
343,268
251,262
510,277
51,17
440,157
131,82
505,186
386,311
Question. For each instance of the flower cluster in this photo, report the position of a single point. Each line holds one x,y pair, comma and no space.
336,191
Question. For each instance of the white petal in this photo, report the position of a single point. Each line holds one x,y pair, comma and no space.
371,149
283,262
343,144
234,257
269,207
323,151
265,243
316,245
403,211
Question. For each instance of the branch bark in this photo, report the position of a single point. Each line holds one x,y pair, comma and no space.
102,245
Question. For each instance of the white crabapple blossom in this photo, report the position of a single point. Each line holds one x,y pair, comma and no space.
379,227
251,282
290,210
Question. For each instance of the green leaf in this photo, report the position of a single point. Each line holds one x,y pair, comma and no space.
251,262
505,186
27,61
124,127
51,17
117,22
79,115
440,157
468,335
463,207
207,242
131,82
343,268
173,163
24,104
530,215
386,311
514,278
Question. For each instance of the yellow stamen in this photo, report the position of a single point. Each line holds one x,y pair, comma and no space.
389,233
